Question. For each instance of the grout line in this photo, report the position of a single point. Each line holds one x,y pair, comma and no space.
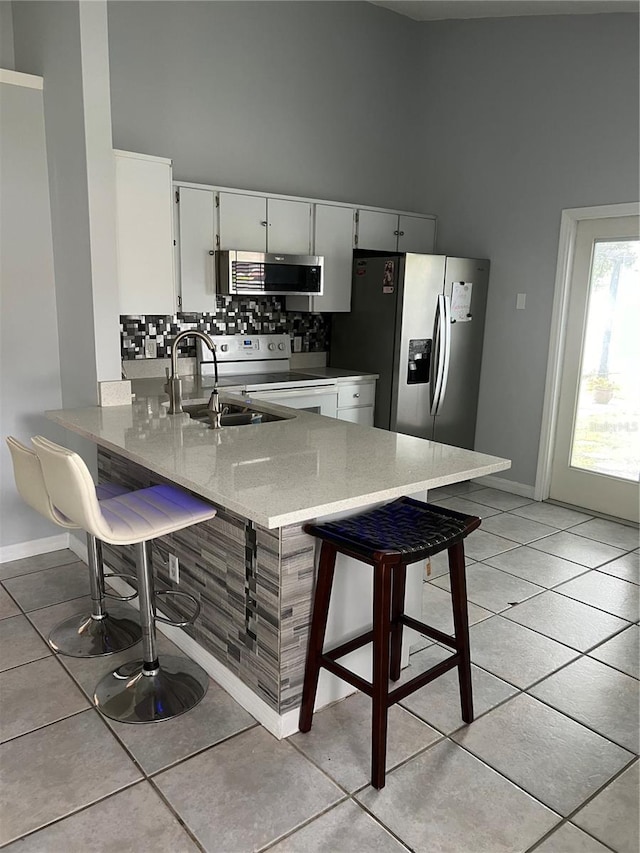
301,825
54,603
71,813
568,818
46,725
38,571
175,814
582,723
26,662
153,774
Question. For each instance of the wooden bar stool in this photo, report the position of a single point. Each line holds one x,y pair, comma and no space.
153,688
389,538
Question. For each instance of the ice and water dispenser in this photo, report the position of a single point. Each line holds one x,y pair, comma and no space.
419,365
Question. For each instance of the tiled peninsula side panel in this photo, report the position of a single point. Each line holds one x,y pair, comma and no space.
230,317
254,588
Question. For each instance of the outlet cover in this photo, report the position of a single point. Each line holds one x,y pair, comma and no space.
297,344
174,568
150,348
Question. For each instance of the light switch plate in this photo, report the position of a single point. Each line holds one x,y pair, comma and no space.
521,301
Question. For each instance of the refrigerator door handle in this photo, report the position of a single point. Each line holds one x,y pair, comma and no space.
441,352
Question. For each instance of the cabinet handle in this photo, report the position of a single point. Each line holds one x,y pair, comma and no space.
356,395
397,233
211,252
264,223
401,233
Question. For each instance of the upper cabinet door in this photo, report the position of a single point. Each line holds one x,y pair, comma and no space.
377,230
334,234
289,229
144,234
196,250
242,222
333,239
416,234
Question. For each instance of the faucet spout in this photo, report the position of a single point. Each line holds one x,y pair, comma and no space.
174,383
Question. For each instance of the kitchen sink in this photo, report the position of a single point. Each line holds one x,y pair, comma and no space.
232,415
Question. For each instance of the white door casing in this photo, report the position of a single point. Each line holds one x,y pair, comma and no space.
559,332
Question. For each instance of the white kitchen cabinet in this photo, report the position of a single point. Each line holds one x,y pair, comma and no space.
144,234
261,224
417,234
394,232
242,222
356,401
363,416
333,239
288,226
195,253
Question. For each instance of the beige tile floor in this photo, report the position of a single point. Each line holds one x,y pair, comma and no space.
550,764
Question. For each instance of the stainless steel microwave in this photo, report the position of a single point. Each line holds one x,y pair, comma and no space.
269,274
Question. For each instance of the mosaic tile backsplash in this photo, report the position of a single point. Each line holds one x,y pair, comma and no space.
232,317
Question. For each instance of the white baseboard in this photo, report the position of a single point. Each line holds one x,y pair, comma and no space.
20,550
503,485
280,725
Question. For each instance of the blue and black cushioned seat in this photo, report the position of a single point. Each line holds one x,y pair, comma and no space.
389,538
405,527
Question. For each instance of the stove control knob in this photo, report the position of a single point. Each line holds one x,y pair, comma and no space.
225,347
281,346
272,346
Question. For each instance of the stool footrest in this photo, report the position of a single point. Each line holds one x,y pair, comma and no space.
428,631
346,675
131,580
328,661
420,680
179,623
349,646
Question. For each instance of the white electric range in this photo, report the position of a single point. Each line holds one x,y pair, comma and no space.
261,365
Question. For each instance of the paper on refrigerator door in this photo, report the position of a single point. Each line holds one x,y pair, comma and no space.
461,301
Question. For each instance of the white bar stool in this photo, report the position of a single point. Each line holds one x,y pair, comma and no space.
147,690
101,632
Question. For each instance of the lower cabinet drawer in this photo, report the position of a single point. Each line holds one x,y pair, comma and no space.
356,394
362,415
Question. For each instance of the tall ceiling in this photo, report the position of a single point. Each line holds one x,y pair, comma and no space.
439,10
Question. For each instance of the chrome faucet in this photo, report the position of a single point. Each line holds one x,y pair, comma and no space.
174,382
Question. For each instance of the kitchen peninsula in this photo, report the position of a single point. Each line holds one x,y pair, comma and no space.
252,567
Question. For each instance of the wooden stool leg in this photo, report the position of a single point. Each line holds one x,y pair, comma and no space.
381,626
397,611
326,568
461,627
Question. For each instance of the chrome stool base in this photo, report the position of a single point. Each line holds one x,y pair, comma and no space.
130,696
83,636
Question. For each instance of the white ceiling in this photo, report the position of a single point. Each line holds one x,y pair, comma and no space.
438,10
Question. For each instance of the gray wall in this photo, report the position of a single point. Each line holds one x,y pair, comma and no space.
47,42
66,43
523,117
6,36
29,365
298,98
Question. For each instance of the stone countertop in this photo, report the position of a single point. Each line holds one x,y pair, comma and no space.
337,373
282,472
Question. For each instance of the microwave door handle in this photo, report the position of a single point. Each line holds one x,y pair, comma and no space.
446,351
435,379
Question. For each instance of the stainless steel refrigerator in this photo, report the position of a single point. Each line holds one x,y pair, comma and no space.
417,321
